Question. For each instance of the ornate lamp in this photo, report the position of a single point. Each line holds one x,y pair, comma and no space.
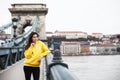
14,22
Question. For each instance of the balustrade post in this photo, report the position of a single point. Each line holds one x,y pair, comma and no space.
57,56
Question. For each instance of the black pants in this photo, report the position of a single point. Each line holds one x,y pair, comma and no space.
31,70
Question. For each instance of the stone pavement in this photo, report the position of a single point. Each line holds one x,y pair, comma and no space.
14,72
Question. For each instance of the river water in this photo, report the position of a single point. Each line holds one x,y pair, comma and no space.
94,67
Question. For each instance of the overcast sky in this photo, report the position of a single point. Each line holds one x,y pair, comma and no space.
102,16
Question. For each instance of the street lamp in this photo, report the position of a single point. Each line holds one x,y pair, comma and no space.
14,22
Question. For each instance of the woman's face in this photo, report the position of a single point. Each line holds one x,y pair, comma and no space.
34,38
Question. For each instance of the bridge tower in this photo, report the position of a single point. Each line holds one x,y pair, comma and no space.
27,13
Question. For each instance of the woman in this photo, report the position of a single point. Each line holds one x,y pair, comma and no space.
35,50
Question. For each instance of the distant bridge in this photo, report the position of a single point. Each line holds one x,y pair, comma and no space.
11,55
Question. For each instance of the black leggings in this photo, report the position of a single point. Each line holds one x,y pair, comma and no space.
31,70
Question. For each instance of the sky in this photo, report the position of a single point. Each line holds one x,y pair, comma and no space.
91,16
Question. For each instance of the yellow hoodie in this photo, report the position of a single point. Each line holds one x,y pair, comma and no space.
34,53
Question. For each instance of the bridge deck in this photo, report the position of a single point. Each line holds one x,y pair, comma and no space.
15,72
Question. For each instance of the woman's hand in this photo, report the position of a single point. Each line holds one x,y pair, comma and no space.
39,60
32,44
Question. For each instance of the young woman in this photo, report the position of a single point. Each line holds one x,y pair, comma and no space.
35,50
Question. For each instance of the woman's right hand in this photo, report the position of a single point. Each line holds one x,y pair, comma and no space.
32,44
39,60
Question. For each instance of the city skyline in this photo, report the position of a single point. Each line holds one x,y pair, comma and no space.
87,16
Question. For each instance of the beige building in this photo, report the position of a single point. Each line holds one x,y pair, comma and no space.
71,34
103,49
4,36
97,35
70,48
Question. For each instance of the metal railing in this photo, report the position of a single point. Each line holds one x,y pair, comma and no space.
9,56
14,52
56,69
2,28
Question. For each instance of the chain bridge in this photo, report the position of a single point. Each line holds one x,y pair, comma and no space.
11,55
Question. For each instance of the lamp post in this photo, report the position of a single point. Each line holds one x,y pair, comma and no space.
14,22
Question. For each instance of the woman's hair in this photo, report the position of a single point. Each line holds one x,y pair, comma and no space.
29,41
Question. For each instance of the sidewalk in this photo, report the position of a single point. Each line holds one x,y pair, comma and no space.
14,72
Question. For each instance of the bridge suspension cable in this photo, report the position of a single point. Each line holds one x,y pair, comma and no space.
2,28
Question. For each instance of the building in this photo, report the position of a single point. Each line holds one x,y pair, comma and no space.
71,34
97,35
103,49
70,48
4,36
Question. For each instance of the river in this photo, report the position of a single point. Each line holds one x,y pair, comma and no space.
94,67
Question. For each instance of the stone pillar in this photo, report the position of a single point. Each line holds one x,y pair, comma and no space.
31,10
42,28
